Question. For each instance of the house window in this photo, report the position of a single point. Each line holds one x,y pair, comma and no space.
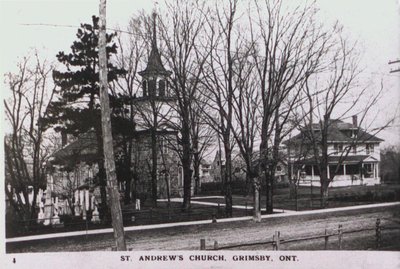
370,148
354,149
278,168
338,148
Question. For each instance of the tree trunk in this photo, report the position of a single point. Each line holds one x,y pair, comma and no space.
116,214
186,163
154,167
324,179
228,177
166,176
257,208
269,191
187,185
292,189
196,167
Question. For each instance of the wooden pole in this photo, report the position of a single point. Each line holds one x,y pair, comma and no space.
326,239
276,240
257,209
112,185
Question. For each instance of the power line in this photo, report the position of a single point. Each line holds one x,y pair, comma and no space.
219,49
394,62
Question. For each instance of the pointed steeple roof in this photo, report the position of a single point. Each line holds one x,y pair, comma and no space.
154,64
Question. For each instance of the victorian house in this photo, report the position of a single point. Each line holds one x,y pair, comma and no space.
353,155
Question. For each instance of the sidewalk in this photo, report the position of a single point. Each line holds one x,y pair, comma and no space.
193,201
201,222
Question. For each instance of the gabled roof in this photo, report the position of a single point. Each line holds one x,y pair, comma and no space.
83,148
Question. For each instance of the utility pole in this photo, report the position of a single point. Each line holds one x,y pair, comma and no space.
394,70
116,214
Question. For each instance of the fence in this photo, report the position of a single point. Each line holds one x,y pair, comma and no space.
130,218
277,240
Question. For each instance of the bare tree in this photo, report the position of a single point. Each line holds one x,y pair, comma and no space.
132,49
181,35
219,84
247,118
202,138
25,147
334,95
290,45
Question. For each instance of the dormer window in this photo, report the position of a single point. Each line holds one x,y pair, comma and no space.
354,149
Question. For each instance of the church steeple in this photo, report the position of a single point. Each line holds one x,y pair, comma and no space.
154,40
154,64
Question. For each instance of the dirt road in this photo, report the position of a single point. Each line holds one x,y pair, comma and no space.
188,238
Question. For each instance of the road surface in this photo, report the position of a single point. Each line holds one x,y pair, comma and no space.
188,238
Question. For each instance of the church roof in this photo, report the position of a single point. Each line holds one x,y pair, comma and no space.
154,64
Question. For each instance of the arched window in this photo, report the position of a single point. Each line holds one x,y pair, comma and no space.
152,87
144,86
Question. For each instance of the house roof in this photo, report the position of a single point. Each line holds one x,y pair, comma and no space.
83,148
336,133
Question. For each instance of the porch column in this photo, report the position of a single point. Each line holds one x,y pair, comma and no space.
312,172
377,170
374,168
327,170
362,171
51,182
344,169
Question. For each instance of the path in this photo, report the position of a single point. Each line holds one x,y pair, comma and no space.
185,236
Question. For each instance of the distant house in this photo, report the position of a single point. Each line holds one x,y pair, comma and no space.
353,155
239,167
217,166
205,171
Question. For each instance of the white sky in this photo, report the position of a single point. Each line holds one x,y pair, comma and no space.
375,24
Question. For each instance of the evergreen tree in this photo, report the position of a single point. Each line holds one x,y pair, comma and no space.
77,109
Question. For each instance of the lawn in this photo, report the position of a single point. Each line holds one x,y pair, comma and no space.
164,213
308,198
241,232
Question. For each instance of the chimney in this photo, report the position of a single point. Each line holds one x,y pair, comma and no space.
355,123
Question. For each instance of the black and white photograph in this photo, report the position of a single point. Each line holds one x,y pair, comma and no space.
200,134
